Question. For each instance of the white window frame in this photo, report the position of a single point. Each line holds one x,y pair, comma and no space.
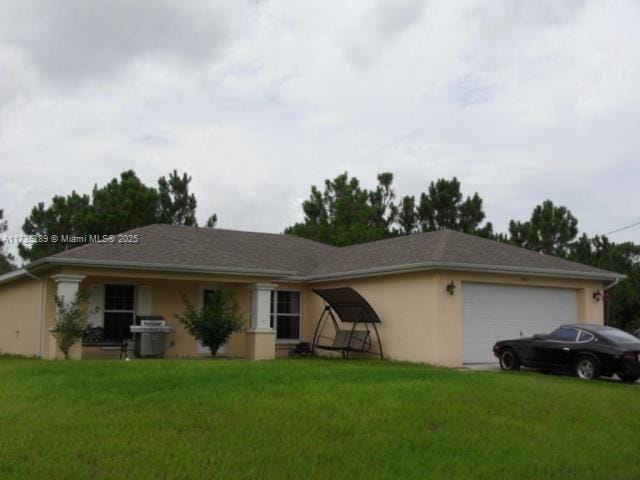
96,304
274,316
143,299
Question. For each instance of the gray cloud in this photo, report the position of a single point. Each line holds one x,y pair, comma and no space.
91,38
379,27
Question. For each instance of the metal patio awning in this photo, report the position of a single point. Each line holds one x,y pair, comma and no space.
350,306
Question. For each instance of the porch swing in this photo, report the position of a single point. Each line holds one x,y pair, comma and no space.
350,307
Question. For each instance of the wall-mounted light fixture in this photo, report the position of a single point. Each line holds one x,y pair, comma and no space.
451,288
597,295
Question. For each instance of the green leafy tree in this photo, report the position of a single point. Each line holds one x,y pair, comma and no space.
176,205
71,322
623,300
346,214
550,230
70,215
123,204
216,321
6,259
443,206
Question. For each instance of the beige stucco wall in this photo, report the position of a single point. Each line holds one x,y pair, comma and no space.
405,305
422,322
166,300
20,309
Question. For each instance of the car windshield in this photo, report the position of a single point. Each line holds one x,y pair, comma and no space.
618,336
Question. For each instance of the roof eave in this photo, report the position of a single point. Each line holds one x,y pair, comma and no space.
467,267
292,276
13,275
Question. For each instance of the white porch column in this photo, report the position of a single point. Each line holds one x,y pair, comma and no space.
261,306
260,338
67,287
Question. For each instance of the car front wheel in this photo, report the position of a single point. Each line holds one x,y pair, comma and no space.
586,368
509,360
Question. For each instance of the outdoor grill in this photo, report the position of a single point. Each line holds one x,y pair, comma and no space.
149,333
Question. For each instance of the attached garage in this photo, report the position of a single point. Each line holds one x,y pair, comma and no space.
497,312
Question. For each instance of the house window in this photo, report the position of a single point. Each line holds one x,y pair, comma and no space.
285,314
210,297
118,312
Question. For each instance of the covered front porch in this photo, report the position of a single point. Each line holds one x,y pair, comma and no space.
272,312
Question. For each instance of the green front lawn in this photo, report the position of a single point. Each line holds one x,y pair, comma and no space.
309,419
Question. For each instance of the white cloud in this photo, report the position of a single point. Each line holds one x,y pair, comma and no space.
522,101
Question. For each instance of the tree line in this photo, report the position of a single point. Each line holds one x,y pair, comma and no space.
344,213
341,213
122,204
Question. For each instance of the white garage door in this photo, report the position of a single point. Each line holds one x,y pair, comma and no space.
497,312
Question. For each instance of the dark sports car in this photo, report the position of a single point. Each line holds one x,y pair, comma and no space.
589,351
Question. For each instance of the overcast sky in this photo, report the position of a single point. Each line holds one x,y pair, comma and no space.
258,100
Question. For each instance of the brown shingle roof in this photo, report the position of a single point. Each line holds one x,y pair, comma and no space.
188,247
209,248
445,247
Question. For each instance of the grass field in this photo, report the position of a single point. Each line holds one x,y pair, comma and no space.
309,419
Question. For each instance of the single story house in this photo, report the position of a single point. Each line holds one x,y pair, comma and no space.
443,297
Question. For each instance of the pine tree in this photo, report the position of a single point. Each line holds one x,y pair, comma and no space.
407,215
443,206
346,214
123,204
70,215
550,230
176,205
